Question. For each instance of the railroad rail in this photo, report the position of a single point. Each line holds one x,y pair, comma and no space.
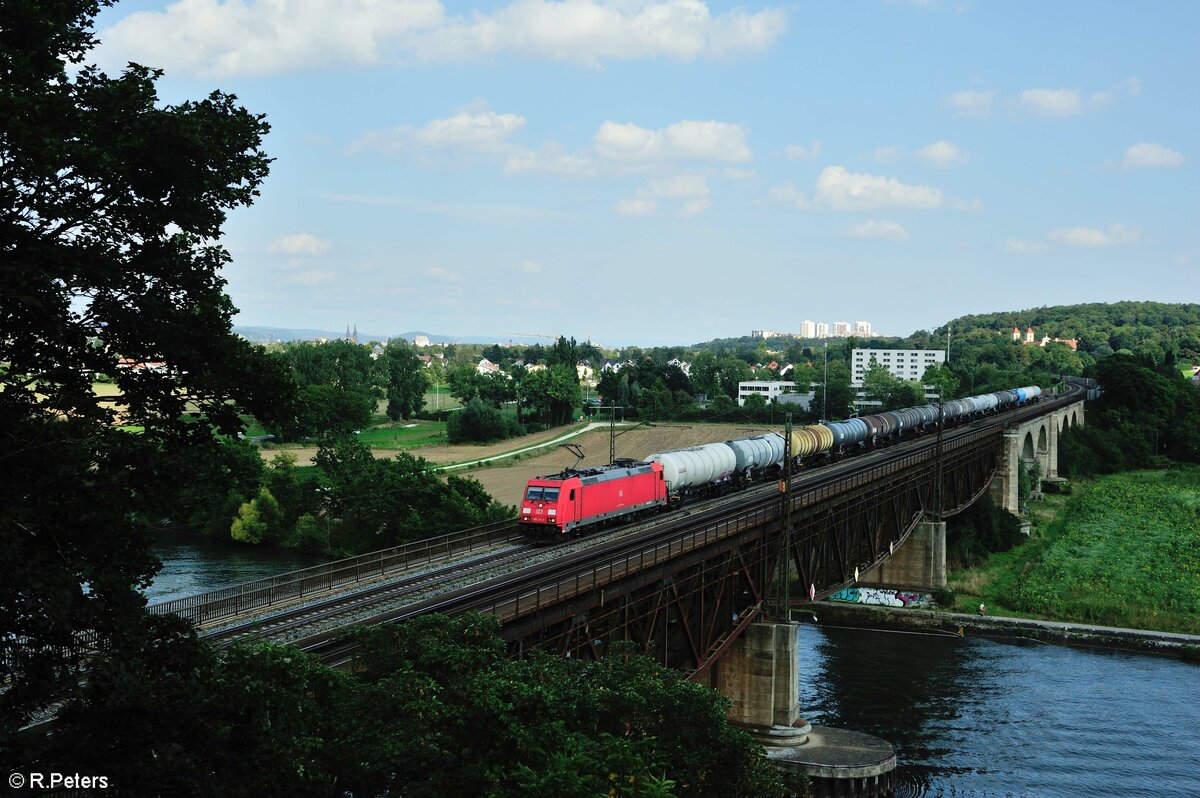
275,590
574,591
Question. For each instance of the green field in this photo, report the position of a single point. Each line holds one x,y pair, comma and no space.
404,435
1124,550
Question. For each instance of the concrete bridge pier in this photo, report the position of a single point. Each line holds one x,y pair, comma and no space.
919,562
759,674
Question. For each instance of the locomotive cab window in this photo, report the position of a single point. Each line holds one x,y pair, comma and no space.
572,496
550,494
534,494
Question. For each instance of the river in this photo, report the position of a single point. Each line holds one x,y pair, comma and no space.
969,716
192,565
977,717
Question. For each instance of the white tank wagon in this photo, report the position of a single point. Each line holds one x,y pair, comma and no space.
761,451
695,466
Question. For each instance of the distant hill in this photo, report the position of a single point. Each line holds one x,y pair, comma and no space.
1154,329
262,335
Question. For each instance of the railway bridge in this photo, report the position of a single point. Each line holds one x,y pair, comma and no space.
684,589
704,590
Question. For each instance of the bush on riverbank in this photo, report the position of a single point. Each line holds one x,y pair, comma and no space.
1124,551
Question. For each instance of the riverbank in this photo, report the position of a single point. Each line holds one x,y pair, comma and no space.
1122,551
958,624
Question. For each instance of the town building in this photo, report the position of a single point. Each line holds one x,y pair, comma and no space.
822,330
767,389
862,328
1031,340
808,329
906,364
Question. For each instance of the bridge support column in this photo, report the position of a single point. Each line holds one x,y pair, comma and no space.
759,675
1003,489
920,562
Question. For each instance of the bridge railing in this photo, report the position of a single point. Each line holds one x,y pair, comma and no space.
236,599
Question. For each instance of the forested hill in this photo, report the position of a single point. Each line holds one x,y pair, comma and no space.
1153,329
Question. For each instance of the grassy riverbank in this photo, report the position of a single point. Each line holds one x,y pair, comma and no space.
1123,550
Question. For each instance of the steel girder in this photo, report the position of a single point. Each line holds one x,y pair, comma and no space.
684,612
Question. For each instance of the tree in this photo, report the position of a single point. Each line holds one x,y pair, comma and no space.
405,383
943,379
112,206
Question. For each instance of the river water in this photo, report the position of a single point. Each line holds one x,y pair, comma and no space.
970,717
192,566
977,717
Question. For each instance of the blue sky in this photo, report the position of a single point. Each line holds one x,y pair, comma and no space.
670,171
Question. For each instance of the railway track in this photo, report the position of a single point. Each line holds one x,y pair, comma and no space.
468,582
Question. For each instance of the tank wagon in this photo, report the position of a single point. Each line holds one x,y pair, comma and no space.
561,505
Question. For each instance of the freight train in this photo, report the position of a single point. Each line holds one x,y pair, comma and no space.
562,505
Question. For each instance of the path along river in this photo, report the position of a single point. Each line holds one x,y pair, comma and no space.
969,716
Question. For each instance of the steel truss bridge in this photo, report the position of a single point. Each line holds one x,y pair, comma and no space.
683,591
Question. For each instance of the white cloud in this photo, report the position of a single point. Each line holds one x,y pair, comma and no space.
311,277
842,190
551,159
685,140
438,273
1024,247
688,192
482,131
942,153
298,244
1130,86
1094,237
789,195
1063,103
973,104
1146,154
212,38
635,207
887,154
1059,103
881,229
679,187
530,267
794,151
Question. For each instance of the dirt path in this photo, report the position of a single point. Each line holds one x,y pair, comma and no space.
458,453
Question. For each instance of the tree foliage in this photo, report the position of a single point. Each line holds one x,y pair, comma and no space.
375,503
405,380
112,205
478,421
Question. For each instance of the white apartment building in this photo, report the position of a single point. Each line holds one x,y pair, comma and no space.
808,329
907,364
822,330
765,388
862,328
841,329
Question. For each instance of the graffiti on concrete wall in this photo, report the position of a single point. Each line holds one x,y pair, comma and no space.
882,596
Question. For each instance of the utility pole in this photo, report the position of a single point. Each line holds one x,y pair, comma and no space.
785,539
825,384
937,469
612,430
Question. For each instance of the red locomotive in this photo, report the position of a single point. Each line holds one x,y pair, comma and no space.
560,505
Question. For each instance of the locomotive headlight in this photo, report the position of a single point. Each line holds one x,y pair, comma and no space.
526,510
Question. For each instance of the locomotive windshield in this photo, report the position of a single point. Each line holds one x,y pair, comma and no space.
537,493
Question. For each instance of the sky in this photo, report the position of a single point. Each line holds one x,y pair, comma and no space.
662,172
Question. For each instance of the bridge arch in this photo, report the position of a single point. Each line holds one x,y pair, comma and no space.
1043,442
1027,447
